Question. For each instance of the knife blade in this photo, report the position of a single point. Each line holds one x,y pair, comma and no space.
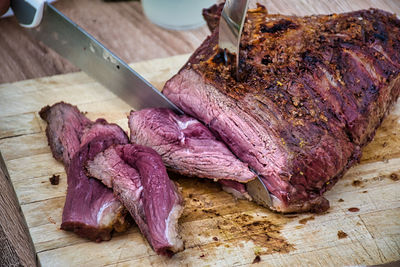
58,32
259,191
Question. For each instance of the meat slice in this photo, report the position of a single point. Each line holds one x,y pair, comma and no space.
139,179
90,209
124,180
65,126
311,93
186,146
238,190
212,14
161,199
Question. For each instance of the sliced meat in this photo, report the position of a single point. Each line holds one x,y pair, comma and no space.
212,14
139,179
91,210
65,126
311,93
237,189
162,200
186,146
124,180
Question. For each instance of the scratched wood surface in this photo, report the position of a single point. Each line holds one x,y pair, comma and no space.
216,228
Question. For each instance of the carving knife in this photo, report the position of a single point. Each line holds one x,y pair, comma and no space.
58,32
230,29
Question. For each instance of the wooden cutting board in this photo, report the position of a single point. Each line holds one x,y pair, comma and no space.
361,227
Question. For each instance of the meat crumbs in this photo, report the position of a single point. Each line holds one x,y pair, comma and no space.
257,259
55,179
341,234
394,177
354,209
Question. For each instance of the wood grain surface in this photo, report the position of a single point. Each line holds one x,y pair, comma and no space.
123,28
16,247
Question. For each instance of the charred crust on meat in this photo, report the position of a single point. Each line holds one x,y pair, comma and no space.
277,26
266,60
353,209
320,84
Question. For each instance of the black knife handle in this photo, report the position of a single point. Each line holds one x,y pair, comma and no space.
29,13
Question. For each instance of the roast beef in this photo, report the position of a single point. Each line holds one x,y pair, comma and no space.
65,125
90,209
186,146
139,179
310,94
212,15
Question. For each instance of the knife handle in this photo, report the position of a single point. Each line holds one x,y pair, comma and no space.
29,13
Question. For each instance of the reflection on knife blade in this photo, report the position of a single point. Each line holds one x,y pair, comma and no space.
258,191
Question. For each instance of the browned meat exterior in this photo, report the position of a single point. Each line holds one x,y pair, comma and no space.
311,94
139,179
90,209
186,146
238,190
65,125
212,14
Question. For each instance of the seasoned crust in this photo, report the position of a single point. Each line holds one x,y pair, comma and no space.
312,91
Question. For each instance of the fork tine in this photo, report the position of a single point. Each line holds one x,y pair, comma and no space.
230,27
